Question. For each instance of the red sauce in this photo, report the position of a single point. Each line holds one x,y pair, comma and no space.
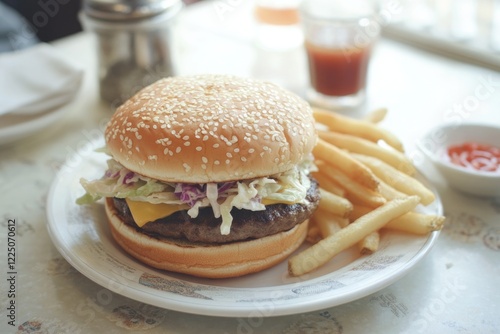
480,157
337,72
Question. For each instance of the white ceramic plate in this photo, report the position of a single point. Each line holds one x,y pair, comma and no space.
81,235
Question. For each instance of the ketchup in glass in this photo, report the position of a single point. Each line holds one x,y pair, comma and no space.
337,72
339,38
475,156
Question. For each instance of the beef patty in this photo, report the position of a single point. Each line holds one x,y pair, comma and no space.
246,224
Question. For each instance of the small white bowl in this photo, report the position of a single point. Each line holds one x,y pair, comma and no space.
436,142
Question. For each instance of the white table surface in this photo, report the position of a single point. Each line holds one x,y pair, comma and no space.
454,289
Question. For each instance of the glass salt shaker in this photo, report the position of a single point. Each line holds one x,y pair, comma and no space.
133,43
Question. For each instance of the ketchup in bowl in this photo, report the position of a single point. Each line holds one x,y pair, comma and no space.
475,156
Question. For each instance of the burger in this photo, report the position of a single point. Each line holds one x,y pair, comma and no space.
209,175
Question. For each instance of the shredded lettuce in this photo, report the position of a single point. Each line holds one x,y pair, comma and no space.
120,182
288,187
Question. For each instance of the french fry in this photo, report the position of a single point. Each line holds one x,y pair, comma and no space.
364,182
313,232
358,211
397,179
389,192
376,116
416,223
328,184
327,223
343,124
369,244
321,252
346,163
362,146
411,222
334,204
355,192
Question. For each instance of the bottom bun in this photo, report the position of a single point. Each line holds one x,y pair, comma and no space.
211,261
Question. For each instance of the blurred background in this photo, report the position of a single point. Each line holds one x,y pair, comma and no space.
464,27
63,16
39,20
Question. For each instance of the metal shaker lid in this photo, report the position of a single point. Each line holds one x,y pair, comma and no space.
118,10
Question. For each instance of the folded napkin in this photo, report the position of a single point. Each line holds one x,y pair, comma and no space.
37,79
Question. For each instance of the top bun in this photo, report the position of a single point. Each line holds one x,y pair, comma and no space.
211,128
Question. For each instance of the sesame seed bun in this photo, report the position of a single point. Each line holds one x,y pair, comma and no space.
211,261
211,128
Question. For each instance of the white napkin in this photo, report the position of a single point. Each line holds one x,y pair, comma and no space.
37,79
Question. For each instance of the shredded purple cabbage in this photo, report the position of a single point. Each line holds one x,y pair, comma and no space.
190,193
222,187
109,173
129,178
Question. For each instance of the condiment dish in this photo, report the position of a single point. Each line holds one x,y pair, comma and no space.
435,146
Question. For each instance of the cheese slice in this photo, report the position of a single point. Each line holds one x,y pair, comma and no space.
266,201
145,212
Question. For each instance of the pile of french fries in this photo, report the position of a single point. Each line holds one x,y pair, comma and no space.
367,184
